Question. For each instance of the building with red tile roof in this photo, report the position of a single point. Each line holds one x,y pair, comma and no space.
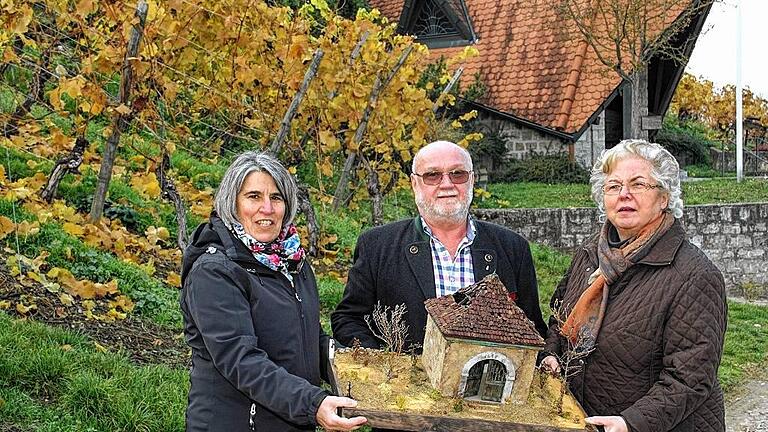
546,87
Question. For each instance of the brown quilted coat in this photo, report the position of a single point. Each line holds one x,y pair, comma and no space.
659,347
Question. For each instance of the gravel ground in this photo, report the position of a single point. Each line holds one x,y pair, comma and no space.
747,410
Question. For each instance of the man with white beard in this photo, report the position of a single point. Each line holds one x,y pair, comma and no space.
436,253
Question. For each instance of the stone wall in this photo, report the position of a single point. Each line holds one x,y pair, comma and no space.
522,141
591,144
734,236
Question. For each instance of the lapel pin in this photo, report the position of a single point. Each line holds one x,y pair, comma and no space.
413,249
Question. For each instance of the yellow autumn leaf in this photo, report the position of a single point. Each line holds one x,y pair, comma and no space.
85,7
326,169
66,347
122,302
66,299
27,228
146,184
115,315
23,309
173,279
123,109
75,230
100,347
469,116
5,304
329,140
6,226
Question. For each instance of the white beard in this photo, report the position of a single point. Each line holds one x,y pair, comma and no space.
455,212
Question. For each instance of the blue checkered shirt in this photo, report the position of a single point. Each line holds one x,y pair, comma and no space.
452,274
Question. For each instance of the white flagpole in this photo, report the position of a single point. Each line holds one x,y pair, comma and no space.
739,108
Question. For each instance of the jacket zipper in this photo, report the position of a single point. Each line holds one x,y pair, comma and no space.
300,305
251,422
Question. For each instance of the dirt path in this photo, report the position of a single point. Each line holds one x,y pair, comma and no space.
746,410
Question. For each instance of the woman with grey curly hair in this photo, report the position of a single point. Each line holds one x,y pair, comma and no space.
252,314
643,306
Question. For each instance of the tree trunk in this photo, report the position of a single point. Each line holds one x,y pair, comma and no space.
119,121
639,85
305,204
66,164
285,125
374,191
36,90
171,194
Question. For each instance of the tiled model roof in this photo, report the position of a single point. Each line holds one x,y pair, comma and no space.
483,311
531,65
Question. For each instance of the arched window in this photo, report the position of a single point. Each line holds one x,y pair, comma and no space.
437,23
486,381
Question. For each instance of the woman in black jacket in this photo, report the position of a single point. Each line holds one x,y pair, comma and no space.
251,312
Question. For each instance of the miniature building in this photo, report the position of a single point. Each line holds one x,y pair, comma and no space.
479,345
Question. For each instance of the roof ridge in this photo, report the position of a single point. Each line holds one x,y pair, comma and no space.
571,85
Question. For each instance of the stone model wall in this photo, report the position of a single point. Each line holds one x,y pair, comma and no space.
734,236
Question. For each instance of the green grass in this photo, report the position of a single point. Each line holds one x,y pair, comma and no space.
536,195
541,195
82,389
705,171
746,343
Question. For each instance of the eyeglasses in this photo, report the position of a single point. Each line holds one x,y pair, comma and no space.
433,178
635,188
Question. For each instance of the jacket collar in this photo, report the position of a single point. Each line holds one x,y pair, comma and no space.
662,253
418,253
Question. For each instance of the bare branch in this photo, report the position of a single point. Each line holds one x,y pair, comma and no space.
388,324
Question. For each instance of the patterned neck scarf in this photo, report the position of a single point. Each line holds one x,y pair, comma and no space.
283,254
583,324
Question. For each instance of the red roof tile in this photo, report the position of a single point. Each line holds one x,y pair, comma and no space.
483,311
523,48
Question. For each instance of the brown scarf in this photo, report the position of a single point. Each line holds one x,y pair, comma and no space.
583,324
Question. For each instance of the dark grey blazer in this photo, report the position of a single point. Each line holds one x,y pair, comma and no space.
392,264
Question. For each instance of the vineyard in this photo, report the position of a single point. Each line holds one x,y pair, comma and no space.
110,108
118,121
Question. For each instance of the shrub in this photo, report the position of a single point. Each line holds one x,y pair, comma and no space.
543,169
687,141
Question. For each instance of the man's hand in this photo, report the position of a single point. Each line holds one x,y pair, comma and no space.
610,423
551,365
330,421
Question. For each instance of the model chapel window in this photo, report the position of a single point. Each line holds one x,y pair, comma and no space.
486,381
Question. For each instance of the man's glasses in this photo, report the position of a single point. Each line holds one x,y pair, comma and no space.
433,178
635,188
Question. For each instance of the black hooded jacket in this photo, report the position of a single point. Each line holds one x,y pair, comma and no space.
258,351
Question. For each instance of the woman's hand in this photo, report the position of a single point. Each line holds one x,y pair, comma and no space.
330,421
550,364
609,423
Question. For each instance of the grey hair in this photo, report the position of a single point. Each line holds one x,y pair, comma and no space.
420,153
664,170
225,201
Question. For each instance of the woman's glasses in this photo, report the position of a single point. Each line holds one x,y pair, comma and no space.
433,178
635,188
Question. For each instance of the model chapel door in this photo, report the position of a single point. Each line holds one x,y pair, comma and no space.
486,381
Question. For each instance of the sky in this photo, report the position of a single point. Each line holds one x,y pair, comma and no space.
714,57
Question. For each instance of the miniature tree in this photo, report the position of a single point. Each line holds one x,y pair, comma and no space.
388,324
572,358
